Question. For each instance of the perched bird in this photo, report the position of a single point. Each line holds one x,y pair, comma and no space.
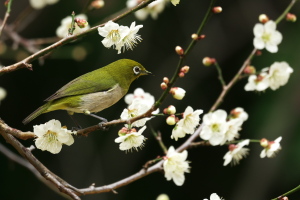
93,91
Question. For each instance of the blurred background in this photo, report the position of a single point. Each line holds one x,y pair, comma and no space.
97,158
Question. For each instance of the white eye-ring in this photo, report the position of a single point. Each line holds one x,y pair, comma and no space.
136,70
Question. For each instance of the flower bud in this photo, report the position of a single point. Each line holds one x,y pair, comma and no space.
163,86
97,4
171,120
181,74
217,9
207,61
179,50
123,131
291,17
250,70
195,36
171,110
82,23
263,18
258,53
264,142
185,69
231,147
166,80
178,93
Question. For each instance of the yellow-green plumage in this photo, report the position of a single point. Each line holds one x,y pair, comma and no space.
93,91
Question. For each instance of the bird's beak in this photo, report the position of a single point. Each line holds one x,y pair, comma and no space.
145,72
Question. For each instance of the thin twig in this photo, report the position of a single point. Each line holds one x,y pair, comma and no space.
6,15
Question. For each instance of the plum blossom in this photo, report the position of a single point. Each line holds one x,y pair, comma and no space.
270,147
236,152
51,136
120,37
266,36
175,165
130,139
279,74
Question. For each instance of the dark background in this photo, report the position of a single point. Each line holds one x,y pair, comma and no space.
97,158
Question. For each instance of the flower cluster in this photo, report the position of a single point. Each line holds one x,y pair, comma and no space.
51,136
187,124
63,30
175,165
120,37
219,128
274,76
138,103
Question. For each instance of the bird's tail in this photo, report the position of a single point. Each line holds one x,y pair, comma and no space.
36,113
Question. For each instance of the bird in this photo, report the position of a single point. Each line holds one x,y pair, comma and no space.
93,91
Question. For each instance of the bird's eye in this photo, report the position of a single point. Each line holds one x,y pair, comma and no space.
136,70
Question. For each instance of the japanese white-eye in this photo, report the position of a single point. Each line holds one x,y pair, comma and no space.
93,91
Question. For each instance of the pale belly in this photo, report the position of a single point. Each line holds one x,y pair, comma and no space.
98,101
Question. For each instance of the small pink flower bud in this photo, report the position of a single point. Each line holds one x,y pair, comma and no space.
231,147
263,18
171,120
82,23
97,4
181,74
258,53
185,69
264,142
178,93
291,17
123,131
207,61
171,110
217,9
250,70
179,50
163,86
166,80
6,3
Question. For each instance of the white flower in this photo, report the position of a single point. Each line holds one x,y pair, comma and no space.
266,36
39,4
175,165
236,152
214,196
271,149
279,74
120,36
214,127
139,93
63,30
137,108
175,2
177,132
163,197
2,93
131,140
234,126
153,9
51,136
258,83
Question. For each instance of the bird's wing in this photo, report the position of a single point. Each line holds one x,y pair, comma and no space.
85,84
